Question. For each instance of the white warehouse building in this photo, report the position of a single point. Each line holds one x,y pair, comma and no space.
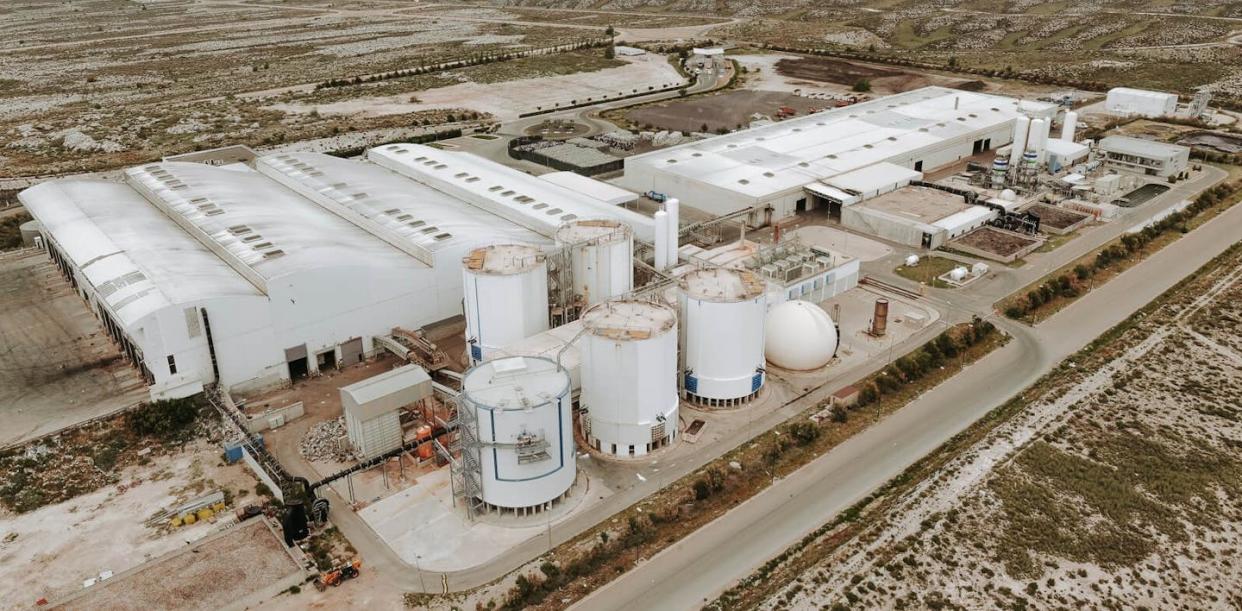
253,276
1140,102
865,149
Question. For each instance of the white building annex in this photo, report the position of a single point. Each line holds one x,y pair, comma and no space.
791,165
254,276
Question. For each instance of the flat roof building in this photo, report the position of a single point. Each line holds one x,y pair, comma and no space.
1146,157
921,217
776,165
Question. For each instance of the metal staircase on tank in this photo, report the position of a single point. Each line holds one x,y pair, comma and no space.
463,456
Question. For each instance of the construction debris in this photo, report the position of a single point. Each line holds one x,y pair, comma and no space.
327,442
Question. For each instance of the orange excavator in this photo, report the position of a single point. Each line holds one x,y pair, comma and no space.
337,575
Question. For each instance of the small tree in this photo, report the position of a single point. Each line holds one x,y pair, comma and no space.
610,52
862,85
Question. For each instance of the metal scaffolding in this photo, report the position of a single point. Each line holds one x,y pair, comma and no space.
463,456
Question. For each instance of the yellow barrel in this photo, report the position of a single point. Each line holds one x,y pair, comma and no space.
189,518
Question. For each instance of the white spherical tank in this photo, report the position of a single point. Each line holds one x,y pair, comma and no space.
722,318
601,254
912,260
800,336
506,296
628,357
523,431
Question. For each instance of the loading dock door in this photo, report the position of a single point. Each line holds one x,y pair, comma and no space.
351,352
295,358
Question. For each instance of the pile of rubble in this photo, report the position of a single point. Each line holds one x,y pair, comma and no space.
327,442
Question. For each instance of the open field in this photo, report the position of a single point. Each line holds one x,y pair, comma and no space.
1118,487
50,550
722,111
238,566
103,83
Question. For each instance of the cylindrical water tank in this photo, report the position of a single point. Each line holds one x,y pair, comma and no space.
30,230
1021,127
1069,126
661,240
1038,140
912,260
958,274
506,295
523,424
722,318
800,335
673,206
629,376
601,258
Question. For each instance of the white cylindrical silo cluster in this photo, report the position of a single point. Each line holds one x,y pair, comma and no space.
629,377
1021,127
601,257
1069,126
722,318
522,430
506,296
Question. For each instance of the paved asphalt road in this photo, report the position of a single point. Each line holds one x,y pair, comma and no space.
704,564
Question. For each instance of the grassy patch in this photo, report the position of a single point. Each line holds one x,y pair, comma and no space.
928,271
60,467
1056,241
10,230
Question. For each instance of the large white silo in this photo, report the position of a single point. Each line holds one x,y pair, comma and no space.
506,296
628,355
1069,126
520,431
1038,139
1021,128
722,320
601,254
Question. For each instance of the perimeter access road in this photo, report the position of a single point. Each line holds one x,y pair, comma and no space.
698,568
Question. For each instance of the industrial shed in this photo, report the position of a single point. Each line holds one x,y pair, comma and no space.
1140,102
921,217
251,275
372,408
773,165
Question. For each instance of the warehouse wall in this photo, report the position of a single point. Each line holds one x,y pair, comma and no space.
882,226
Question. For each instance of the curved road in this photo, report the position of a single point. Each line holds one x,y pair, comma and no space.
701,566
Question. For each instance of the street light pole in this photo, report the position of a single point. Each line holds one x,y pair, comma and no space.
418,565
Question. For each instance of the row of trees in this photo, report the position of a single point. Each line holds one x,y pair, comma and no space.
1073,283
928,358
472,60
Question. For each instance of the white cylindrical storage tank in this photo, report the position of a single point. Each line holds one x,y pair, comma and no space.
1021,127
1069,126
673,206
800,335
523,429
958,274
661,241
722,317
912,260
1038,140
629,376
30,230
506,295
601,256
